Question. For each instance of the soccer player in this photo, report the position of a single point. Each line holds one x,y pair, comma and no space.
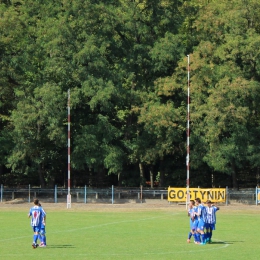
201,214
37,214
193,221
210,222
42,233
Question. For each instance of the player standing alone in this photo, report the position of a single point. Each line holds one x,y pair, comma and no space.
37,214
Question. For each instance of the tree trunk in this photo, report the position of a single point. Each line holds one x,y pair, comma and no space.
162,174
119,180
151,176
141,172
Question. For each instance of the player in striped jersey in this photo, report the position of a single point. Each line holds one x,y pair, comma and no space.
210,222
37,214
201,214
193,220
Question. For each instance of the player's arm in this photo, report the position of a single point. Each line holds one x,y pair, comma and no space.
216,208
44,217
197,213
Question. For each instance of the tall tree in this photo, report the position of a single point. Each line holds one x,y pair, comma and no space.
225,86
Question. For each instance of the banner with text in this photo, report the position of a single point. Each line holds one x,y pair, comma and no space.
257,195
180,194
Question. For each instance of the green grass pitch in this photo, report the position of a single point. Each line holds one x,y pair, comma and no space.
127,232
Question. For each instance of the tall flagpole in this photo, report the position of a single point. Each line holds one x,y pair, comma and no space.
188,138
69,195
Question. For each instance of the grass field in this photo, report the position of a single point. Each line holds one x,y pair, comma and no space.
127,232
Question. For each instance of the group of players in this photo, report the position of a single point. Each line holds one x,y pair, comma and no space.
38,222
202,221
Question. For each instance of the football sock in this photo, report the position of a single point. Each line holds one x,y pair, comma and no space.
197,237
189,236
35,237
203,238
40,237
44,239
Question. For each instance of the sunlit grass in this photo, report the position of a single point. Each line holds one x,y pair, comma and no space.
128,234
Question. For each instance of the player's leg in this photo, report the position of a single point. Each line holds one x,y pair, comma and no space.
43,238
190,233
201,228
40,236
35,237
206,235
189,237
196,232
212,227
194,226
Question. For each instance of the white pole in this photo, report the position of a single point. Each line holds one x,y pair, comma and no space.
112,194
227,196
188,138
256,196
55,194
69,195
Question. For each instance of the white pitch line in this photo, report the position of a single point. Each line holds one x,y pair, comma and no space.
203,248
90,227
108,224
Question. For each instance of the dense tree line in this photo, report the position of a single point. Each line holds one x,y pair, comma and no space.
125,63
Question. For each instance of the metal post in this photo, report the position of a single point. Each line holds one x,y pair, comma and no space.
256,196
55,194
226,195
85,195
112,194
188,138
69,195
141,194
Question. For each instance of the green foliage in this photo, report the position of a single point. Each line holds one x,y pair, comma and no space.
125,64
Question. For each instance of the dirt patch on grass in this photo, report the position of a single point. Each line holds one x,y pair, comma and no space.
20,204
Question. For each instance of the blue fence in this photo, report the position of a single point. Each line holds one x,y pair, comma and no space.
111,195
81,195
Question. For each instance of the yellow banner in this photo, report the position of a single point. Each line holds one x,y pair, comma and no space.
180,194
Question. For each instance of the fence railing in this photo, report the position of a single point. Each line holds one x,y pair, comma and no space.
108,195
84,195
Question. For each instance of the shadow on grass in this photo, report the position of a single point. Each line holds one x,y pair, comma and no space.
225,242
60,246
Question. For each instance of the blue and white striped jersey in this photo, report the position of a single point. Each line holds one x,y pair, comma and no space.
202,214
37,213
211,214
